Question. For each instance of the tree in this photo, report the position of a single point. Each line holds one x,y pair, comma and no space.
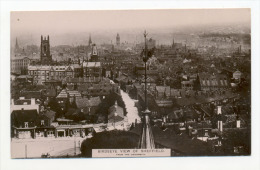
54,105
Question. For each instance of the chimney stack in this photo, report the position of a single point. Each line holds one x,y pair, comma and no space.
238,121
32,101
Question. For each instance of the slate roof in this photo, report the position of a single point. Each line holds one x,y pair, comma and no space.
207,79
50,93
164,103
85,102
22,101
91,64
64,120
164,89
31,94
71,111
63,94
148,72
180,143
18,117
73,93
24,77
187,82
175,114
115,119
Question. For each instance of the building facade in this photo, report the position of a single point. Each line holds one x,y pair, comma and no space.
46,57
19,65
45,73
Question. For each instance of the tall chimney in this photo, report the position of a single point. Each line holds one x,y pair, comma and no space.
220,124
219,110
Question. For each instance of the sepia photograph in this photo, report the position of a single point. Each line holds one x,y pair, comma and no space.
130,83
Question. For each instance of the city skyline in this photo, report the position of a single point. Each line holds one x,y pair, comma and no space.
77,25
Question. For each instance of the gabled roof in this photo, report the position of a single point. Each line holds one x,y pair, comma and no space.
115,110
163,89
63,94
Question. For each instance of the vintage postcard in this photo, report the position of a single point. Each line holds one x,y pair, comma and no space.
130,83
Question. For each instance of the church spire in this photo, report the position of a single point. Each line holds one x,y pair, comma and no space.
89,40
16,45
147,140
173,44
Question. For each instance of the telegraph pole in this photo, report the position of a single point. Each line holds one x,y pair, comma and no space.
145,67
146,141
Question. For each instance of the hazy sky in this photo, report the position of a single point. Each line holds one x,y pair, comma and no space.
59,22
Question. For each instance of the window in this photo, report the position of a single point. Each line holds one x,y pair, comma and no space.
26,124
42,122
206,133
208,82
221,82
226,82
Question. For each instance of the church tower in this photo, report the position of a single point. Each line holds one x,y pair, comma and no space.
94,54
117,39
46,57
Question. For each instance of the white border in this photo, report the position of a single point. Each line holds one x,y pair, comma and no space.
249,162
